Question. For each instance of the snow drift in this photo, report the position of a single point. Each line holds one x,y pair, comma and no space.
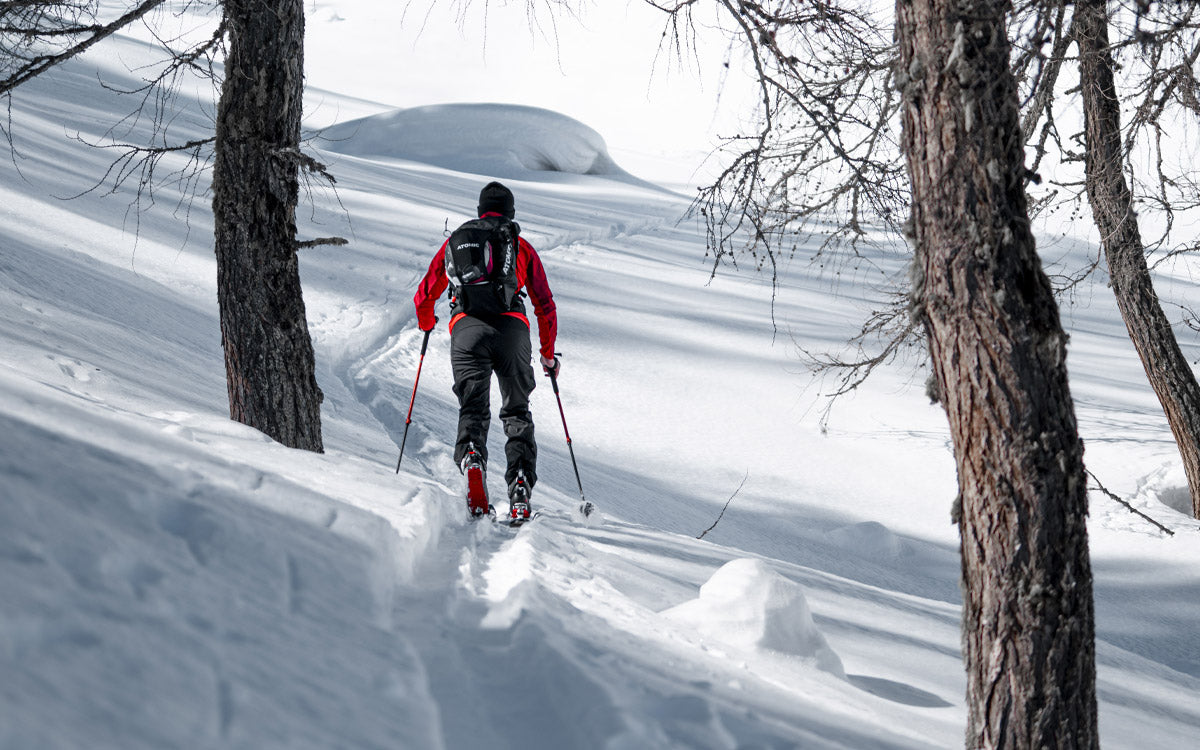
750,606
500,140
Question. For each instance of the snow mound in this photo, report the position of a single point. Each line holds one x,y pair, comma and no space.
497,140
871,540
748,605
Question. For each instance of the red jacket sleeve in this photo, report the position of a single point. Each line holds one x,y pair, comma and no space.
538,288
430,289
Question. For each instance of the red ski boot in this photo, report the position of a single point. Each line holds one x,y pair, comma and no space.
473,468
518,499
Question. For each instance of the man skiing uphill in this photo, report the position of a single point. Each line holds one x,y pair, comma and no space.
489,268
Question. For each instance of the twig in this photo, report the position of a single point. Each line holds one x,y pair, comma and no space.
1132,509
727,502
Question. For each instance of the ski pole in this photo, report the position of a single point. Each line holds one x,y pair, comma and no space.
412,400
554,383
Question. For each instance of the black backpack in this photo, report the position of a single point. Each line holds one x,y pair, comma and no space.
481,264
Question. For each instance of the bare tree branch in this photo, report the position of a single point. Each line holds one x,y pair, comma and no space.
721,515
35,65
1100,486
824,156
319,241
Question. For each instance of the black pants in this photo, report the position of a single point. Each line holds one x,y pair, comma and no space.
477,349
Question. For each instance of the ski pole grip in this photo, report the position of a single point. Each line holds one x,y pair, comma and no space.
425,343
553,374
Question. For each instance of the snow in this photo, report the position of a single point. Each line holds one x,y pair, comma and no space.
750,606
169,578
541,143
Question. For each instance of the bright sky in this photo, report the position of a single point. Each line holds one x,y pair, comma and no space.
601,67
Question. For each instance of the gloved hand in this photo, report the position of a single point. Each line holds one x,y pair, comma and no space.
431,326
551,365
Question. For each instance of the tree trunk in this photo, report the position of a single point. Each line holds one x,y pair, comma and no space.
999,359
269,360
1169,372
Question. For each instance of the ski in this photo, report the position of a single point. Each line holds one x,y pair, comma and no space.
516,523
584,512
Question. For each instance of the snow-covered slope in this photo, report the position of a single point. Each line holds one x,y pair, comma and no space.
171,579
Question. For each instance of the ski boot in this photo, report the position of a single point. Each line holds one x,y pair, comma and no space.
474,468
518,500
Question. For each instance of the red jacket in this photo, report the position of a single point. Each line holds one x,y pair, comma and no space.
531,276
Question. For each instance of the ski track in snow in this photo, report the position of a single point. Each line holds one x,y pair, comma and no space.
499,615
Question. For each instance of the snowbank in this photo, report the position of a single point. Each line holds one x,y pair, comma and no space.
748,605
498,140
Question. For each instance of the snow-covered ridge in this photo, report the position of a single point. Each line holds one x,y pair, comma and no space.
500,140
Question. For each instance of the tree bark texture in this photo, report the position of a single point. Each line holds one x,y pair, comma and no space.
269,359
1168,370
999,359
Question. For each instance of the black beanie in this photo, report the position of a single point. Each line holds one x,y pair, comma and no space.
496,198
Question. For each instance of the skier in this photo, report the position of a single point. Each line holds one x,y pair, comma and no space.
487,264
